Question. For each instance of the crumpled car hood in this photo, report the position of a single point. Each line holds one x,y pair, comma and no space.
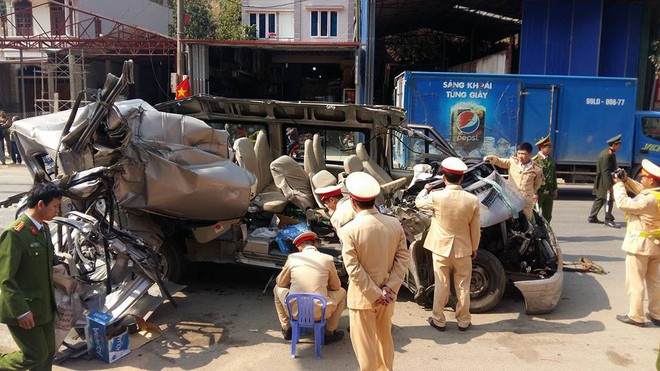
172,165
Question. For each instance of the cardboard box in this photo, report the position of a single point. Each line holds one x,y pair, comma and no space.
107,342
284,221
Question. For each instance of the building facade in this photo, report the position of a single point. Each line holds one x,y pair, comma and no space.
303,50
301,21
50,52
33,17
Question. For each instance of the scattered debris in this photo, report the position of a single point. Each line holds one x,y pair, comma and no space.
584,265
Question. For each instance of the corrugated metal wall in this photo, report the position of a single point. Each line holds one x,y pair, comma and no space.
198,62
581,38
620,39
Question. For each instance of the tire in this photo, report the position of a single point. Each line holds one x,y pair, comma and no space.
172,261
636,173
488,282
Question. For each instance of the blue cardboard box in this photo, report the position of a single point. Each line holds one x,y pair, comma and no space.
107,344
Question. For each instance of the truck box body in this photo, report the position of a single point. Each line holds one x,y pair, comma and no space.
482,114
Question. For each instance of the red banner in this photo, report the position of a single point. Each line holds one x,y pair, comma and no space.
183,89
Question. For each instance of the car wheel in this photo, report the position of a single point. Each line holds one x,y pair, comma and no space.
488,282
172,262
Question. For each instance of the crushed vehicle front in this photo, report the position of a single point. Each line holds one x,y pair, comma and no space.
512,251
102,265
276,140
185,187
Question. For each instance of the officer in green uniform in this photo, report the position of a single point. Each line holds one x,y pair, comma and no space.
547,193
27,300
603,185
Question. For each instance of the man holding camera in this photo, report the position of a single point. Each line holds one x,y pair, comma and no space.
605,168
642,241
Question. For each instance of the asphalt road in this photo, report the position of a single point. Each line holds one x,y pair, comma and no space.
223,322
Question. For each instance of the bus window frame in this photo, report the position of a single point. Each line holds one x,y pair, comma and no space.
323,130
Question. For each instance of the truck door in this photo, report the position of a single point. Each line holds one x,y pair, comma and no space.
399,91
538,112
647,138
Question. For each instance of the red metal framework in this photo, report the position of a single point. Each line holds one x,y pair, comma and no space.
81,30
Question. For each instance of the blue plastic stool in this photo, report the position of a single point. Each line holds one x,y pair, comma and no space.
305,320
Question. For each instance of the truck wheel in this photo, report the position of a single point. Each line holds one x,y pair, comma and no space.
636,173
488,282
172,261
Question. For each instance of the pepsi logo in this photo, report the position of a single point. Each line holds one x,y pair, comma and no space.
467,122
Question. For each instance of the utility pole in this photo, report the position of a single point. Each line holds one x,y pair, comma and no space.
179,46
22,87
371,54
364,71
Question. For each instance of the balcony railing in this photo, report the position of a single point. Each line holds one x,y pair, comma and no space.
80,30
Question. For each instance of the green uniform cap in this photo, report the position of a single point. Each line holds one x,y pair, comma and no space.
545,140
614,139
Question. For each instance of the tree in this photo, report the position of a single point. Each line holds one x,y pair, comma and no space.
212,19
429,47
202,24
655,57
229,22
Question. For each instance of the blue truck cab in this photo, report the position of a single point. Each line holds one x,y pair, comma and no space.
647,138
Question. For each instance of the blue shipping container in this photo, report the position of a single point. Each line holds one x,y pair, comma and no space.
483,114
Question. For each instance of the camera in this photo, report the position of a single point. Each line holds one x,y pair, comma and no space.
619,174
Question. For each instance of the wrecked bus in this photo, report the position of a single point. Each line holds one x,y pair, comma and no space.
217,179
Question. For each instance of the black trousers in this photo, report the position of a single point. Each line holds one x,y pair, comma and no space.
598,204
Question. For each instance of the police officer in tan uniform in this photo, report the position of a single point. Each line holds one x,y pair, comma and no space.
642,242
453,239
310,271
339,206
524,174
376,259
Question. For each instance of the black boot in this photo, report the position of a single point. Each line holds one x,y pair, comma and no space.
333,337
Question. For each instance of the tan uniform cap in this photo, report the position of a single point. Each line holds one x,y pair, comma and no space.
327,192
453,165
650,169
362,186
305,236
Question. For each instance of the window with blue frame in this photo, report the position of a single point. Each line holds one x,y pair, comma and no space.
651,127
323,23
266,24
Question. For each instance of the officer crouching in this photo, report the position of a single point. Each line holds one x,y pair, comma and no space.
310,271
642,241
